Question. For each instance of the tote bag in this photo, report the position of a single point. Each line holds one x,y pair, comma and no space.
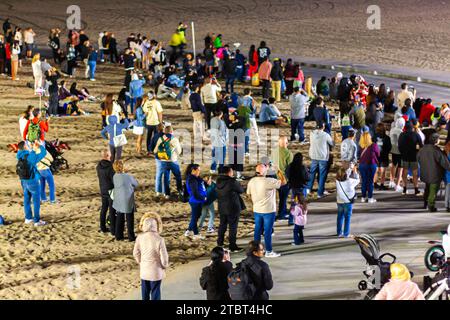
119,140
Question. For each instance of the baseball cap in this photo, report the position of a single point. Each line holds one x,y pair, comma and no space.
365,129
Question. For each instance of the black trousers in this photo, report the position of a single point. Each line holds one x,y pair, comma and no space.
107,206
53,103
230,221
210,108
120,225
266,89
151,131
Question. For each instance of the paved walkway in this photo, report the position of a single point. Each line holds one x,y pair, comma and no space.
326,267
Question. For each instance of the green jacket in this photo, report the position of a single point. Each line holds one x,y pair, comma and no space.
282,158
245,112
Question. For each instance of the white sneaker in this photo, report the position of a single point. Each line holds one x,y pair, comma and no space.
392,185
272,254
363,200
247,154
326,193
28,221
399,188
187,233
40,223
158,194
308,191
198,237
167,197
212,230
212,171
372,200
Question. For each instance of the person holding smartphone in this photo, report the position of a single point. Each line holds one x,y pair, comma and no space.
214,276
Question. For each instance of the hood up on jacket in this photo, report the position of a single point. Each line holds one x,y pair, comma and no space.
112,120
400,123
151,222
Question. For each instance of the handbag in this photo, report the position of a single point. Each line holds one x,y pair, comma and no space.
111,194
119,140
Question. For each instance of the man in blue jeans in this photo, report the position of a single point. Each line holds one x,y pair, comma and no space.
262,191
298,102
29,179
319,152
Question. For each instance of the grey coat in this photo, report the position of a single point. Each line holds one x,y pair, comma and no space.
433,164
124,185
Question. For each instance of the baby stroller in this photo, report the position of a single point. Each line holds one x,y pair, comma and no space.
377,272
56,149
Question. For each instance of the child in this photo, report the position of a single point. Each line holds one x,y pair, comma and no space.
447,179
208,206
299,211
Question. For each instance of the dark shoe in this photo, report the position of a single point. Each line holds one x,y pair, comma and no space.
383,187
432,209
236,250
376,185
104,230
448,209
425,204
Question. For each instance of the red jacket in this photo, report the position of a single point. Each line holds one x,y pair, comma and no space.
42,124
8,51
425,113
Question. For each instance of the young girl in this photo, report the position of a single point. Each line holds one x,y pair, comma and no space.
345,195
299,211
139,124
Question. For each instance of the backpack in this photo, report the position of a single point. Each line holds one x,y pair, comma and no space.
240,286
34,131
164,151
22,169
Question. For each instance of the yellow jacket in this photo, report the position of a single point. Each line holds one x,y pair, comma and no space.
177,40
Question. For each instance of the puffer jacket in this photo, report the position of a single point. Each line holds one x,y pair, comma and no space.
150,252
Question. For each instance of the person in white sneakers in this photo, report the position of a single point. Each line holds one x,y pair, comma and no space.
396,165
262,191
368,159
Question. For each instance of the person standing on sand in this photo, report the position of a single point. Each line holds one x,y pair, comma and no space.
105,174
154,116
15,56
29,179
265,69
123,202
114,129
37,72
197,197
151,254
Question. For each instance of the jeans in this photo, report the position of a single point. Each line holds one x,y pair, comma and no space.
218,157
47,176
240,73
92,68
120,225
116,153
151,289
343,218
53,103
107,206
264,223
247,141
298,234
150,131
229,84
196,212
207,209
447,195
31,190
367,174
167,167
283,194
230,221
321,167
159,176
297,126
132,104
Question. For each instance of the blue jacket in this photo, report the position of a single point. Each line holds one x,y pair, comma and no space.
93,56
32,160
110,128
196,103
196,189
136,88
140,118
411,114
248,101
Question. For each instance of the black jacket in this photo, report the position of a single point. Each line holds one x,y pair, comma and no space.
228,195
214,280
260,276
53,87
196,103
105,173
277,72
407,145
297,177
229,68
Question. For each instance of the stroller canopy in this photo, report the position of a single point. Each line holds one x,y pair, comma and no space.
370,248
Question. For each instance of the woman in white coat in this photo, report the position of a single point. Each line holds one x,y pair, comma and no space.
37,72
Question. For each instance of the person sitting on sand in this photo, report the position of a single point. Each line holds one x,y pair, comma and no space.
151,254
270,114
123,202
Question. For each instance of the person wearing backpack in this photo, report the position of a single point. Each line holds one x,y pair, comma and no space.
214,277
255,273
167,150
28,173
116,136
35,128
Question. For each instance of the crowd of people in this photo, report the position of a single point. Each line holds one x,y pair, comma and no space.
381,133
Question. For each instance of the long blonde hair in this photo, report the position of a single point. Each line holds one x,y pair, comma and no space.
36,57
365,141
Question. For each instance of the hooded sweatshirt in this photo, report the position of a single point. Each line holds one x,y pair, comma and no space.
150,252
32,160
320,145
228,191
110,128
42,124
105,173
395,134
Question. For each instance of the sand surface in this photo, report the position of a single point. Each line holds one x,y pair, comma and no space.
413,33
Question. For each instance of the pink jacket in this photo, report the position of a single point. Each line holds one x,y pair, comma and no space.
400,290
299,213
264,70
151,253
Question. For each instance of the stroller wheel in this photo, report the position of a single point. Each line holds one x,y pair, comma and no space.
362,285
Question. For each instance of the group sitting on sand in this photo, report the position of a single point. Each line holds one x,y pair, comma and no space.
380,131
